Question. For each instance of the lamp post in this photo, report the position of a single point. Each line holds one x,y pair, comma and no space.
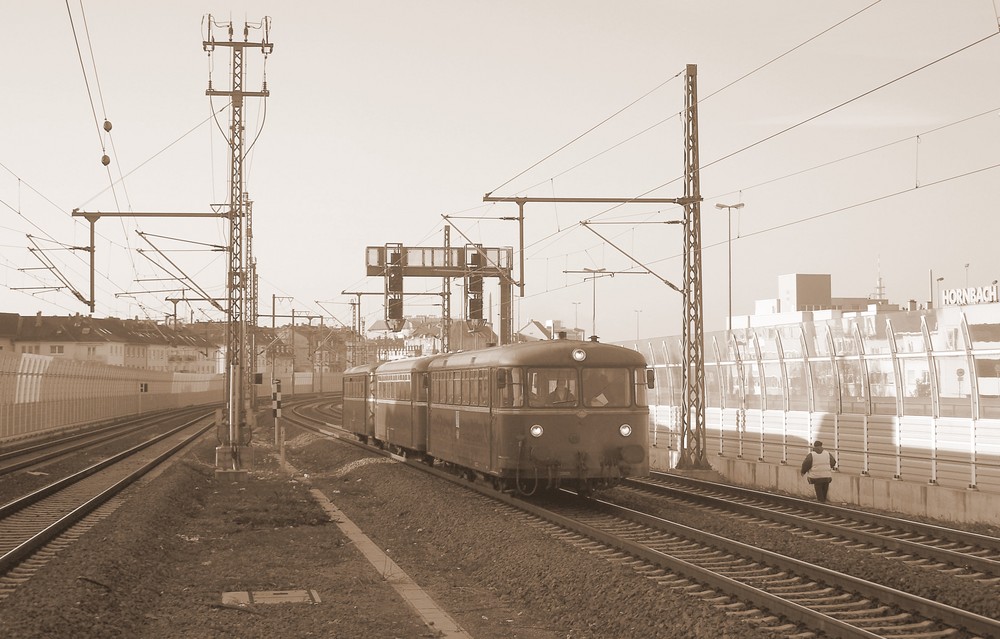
729,237
576,317
937,295
595,273
966,276
637,311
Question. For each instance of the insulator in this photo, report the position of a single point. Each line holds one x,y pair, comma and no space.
105,160
107,125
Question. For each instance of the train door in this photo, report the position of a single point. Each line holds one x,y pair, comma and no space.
488,390
420,409
370,405
502,383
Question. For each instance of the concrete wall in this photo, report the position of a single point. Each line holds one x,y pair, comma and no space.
892,495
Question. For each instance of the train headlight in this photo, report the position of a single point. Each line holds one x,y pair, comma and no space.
579,354
536,430
625,430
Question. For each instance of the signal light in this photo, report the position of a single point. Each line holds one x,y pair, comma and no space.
394,273
394,308
475,311
475,284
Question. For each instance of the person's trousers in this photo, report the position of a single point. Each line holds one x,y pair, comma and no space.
822,486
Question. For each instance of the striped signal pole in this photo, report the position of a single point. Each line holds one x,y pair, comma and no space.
276,407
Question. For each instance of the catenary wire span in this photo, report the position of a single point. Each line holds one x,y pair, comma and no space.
676,115
677,179
813,117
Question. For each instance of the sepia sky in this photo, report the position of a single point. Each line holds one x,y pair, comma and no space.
863,138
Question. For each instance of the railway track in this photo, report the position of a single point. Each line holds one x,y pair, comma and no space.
783,593
788,596
21,456
960,553
35,526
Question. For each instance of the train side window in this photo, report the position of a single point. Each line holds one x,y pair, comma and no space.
421,387
484,387
469,389
537,388
516,385
508,390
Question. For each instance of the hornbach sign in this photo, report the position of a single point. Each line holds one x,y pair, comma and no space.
971,295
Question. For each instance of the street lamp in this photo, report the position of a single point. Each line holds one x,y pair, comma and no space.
729,237
637,311
576,317
966,276
596,273
937,295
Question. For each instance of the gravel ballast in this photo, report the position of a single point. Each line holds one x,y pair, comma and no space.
157,567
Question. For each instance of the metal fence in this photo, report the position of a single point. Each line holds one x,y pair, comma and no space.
41,394
911,395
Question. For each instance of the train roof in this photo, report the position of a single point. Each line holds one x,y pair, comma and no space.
408,364
542,353
362,368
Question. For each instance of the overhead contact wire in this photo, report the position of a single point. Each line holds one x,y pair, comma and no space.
796,47
846,102
599,124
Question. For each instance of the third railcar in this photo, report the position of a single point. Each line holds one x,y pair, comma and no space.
359,401
524,416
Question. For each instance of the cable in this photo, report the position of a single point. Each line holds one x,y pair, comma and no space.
703,99
809,119
86,81
796,47
149,159
846,208
860,153
657,87
846,102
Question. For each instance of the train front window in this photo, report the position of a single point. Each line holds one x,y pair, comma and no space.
555,387
606,387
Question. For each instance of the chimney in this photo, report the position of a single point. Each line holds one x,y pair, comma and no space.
38,319
913,305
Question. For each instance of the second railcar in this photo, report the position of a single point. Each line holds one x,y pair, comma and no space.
401,405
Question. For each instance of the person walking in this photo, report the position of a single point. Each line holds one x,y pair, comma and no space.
818,468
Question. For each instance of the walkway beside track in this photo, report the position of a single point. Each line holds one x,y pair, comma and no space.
429,611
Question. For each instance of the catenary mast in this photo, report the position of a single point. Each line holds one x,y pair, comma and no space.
234,428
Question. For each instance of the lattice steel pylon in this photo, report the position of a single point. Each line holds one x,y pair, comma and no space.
234,428
692,453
